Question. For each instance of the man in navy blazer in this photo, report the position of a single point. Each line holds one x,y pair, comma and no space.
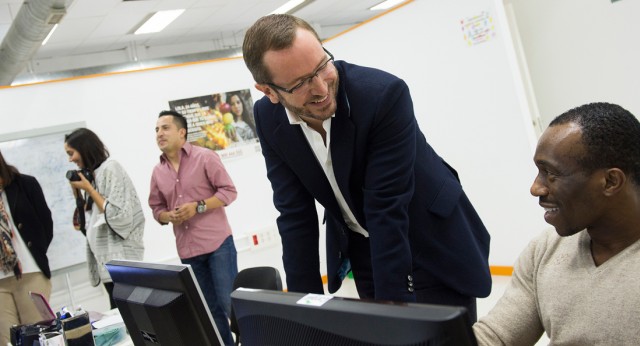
346,136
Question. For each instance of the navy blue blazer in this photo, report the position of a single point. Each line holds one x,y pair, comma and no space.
32,217
420,222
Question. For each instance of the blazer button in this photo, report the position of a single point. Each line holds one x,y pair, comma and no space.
20,225
29,244
410,289
409,277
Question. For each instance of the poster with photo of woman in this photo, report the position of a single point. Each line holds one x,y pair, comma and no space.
222,121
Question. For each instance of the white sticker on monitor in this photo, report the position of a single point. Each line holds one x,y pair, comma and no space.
314,299
248,289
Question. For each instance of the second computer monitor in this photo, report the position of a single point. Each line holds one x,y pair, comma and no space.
278,318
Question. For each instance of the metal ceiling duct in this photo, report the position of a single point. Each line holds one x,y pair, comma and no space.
30,27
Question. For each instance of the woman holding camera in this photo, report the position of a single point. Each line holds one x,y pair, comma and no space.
26,230
114,221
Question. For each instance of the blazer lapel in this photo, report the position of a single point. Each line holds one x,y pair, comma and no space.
298,154
343,143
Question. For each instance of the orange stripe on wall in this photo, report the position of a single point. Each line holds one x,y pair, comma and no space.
501,270
495,270
369,20
106,74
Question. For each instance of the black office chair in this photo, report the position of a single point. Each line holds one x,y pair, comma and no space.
267,278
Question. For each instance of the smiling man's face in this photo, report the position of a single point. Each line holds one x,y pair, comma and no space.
571,196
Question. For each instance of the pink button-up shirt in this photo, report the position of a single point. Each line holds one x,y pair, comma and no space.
200,176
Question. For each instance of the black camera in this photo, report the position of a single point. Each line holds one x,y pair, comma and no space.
72,175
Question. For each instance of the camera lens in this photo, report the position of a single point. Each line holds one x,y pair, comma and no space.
72,175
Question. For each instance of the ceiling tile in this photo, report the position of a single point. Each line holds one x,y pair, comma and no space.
103,26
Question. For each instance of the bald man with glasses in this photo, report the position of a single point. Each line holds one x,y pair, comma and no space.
346,136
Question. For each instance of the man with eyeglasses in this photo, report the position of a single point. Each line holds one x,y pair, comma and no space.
346,136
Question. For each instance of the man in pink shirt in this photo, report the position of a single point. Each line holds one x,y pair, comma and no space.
190,188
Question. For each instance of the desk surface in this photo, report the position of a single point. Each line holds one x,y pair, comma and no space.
113,313
125,342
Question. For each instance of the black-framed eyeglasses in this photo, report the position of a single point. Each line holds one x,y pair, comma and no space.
306,81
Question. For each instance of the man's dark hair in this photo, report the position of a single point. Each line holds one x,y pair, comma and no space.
178,119
272,32
610,134
91,149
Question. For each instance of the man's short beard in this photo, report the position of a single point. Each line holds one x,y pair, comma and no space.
300,111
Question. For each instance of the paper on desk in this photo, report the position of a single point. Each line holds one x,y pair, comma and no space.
107,321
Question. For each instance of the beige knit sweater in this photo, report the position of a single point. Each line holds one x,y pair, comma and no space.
118,232
557,289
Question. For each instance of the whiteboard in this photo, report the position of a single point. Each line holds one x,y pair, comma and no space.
40,153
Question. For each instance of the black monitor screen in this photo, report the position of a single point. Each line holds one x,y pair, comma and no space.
161,304
279,318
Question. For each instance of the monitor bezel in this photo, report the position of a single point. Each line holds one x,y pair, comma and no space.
167,277
363,321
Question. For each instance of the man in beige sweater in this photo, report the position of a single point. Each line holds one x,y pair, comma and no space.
579,284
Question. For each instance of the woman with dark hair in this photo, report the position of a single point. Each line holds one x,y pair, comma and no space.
26,230
114,221
244,124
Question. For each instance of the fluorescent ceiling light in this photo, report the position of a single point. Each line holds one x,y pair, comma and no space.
46,39
385,5
158,21
291,4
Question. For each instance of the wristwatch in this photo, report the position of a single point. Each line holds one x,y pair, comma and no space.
202,207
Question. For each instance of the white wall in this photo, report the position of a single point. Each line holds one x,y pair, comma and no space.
466,100
122,109
581,51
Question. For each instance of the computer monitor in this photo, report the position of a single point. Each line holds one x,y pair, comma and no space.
280,318
161,304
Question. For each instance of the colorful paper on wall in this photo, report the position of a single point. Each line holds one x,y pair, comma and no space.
478,29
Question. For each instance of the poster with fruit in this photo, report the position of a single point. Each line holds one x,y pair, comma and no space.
219,121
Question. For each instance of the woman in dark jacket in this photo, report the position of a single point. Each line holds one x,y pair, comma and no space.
26,230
